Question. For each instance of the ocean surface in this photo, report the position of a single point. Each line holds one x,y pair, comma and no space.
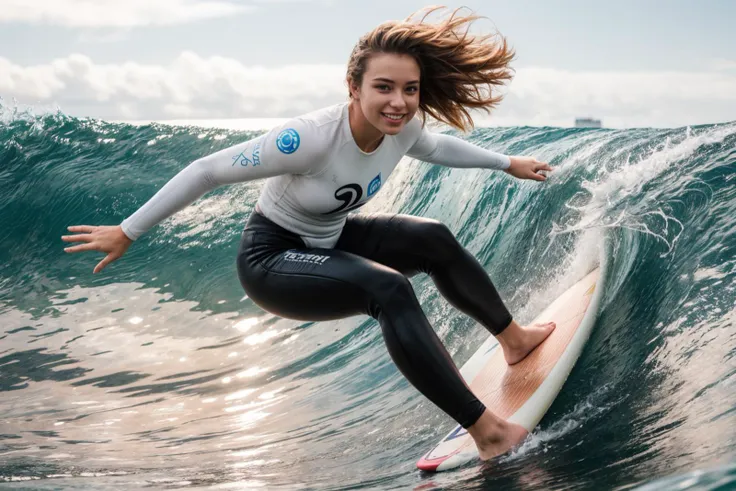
159,373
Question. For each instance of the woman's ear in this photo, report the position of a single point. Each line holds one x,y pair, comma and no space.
354,89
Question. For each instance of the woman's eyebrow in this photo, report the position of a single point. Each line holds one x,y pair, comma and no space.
381,79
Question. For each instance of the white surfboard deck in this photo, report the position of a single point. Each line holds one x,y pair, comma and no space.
523,392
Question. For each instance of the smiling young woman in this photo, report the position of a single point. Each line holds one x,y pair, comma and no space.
457,71
302,255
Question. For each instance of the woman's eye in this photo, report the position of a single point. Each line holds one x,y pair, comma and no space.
385,88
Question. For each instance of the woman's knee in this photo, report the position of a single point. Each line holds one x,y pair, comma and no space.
389,283
390,289
436,238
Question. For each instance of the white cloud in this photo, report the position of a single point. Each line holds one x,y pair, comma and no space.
193,87
722,64
544,96
117,13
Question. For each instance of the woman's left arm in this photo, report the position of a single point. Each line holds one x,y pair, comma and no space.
455,152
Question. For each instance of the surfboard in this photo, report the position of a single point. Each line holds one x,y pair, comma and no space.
523,392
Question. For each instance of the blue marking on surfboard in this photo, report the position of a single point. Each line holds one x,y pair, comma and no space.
457,433
491,348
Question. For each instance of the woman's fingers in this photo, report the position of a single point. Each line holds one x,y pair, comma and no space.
110,240
81,247
81,228
537,177
77,238
536,168
107,260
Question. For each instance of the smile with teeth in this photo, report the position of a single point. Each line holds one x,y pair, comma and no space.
393,117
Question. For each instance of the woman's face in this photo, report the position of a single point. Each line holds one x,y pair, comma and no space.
389,94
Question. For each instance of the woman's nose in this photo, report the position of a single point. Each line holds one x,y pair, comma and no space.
398,101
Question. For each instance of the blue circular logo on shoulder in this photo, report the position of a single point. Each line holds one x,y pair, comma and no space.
288,141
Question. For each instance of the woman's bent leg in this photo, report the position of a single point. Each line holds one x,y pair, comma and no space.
323,284
413,244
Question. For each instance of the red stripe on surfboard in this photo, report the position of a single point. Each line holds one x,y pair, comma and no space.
426,464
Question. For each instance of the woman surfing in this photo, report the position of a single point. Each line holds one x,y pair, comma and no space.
304,256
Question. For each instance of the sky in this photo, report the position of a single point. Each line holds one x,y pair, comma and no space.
629,63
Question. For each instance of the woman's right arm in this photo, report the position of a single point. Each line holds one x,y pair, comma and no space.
288,149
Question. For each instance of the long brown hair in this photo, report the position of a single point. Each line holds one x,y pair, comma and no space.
458,70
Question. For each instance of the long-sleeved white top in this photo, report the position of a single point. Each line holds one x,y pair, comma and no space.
316,173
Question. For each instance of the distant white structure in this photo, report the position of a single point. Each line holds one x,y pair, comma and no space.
587,123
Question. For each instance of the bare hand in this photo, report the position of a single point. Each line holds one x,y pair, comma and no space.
109,239
527,168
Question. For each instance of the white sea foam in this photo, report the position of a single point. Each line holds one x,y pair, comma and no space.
609,203
592,407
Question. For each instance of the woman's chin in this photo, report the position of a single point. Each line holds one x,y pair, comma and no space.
391,129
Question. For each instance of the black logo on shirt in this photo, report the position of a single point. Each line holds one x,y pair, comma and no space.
350,195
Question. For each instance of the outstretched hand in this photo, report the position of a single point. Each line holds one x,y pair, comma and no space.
109,239
527,168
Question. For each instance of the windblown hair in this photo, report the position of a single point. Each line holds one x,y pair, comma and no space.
459,71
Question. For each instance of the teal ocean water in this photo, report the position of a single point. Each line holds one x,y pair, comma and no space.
160,374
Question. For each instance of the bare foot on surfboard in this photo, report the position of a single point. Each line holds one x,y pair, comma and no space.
498,444
521,341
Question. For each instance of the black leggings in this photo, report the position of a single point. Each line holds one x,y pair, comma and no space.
366,273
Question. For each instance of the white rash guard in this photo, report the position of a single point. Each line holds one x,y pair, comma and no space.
316,173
